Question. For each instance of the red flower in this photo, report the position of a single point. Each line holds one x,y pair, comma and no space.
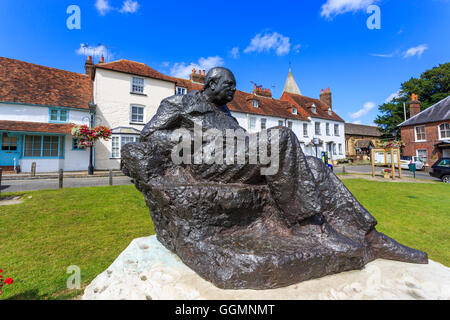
9,281
1,270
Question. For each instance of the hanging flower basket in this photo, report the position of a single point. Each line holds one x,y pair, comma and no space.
87,136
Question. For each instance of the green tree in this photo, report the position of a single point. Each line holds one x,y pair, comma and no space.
432,86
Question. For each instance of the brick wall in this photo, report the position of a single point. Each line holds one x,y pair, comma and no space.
432,138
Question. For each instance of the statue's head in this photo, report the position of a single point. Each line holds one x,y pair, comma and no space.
220,86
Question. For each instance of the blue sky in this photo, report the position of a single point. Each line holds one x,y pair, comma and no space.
327,42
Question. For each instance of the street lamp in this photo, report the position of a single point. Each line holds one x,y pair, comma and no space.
92,110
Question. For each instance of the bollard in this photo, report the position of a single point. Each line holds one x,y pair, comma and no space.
343,169
61,175
1,172
110,177
33,169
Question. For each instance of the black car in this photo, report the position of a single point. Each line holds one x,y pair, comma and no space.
441,170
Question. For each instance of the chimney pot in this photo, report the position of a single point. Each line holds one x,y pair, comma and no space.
414,105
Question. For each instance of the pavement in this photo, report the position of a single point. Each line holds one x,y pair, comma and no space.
367,169
24,182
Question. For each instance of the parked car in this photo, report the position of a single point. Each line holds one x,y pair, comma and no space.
406,161
441,170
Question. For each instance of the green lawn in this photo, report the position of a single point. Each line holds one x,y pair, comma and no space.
86,227
90,227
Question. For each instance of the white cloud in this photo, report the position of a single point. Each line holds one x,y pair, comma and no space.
333,8
268,42
103,6
363,111
388,55
129,6
234,53
297,48
356,122
95,52
183,70
415,51
392,96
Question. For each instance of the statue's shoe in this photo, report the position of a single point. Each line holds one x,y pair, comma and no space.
385,247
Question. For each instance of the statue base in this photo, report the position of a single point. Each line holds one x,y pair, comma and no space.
146,270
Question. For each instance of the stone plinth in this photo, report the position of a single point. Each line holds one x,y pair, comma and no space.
147,270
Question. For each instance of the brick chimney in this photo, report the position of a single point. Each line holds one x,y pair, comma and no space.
325,97
199,77
102,60
414,105
262,92
89,67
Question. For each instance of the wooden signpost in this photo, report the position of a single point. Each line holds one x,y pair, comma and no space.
384,157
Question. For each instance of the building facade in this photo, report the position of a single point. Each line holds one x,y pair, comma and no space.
426,133
38,108
127,95
360,139
312,120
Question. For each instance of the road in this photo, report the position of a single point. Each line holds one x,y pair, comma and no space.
368,169
42,184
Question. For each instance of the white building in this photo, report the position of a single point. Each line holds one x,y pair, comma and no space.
38,108
308,118
127,95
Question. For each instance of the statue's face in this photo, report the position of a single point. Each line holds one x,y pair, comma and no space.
225,88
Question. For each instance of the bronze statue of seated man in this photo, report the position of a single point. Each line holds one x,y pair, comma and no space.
251,211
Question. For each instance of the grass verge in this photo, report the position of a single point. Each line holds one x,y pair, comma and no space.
89,227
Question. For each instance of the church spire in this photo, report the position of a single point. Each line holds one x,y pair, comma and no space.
291,85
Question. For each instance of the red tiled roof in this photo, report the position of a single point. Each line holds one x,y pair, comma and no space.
188,84
133,67
24,82
306,102
243,103
36,126
266,106
362,130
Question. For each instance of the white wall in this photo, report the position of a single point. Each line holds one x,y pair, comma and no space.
297,128
30,113
113,99
73,160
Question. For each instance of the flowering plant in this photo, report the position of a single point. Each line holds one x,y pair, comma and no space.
8,281
393,144
87,136
387,171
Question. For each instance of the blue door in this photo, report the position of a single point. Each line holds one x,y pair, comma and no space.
10,148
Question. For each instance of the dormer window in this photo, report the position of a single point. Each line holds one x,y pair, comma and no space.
255,104
330,112
313,108
294,110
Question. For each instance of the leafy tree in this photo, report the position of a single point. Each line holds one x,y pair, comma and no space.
432,86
